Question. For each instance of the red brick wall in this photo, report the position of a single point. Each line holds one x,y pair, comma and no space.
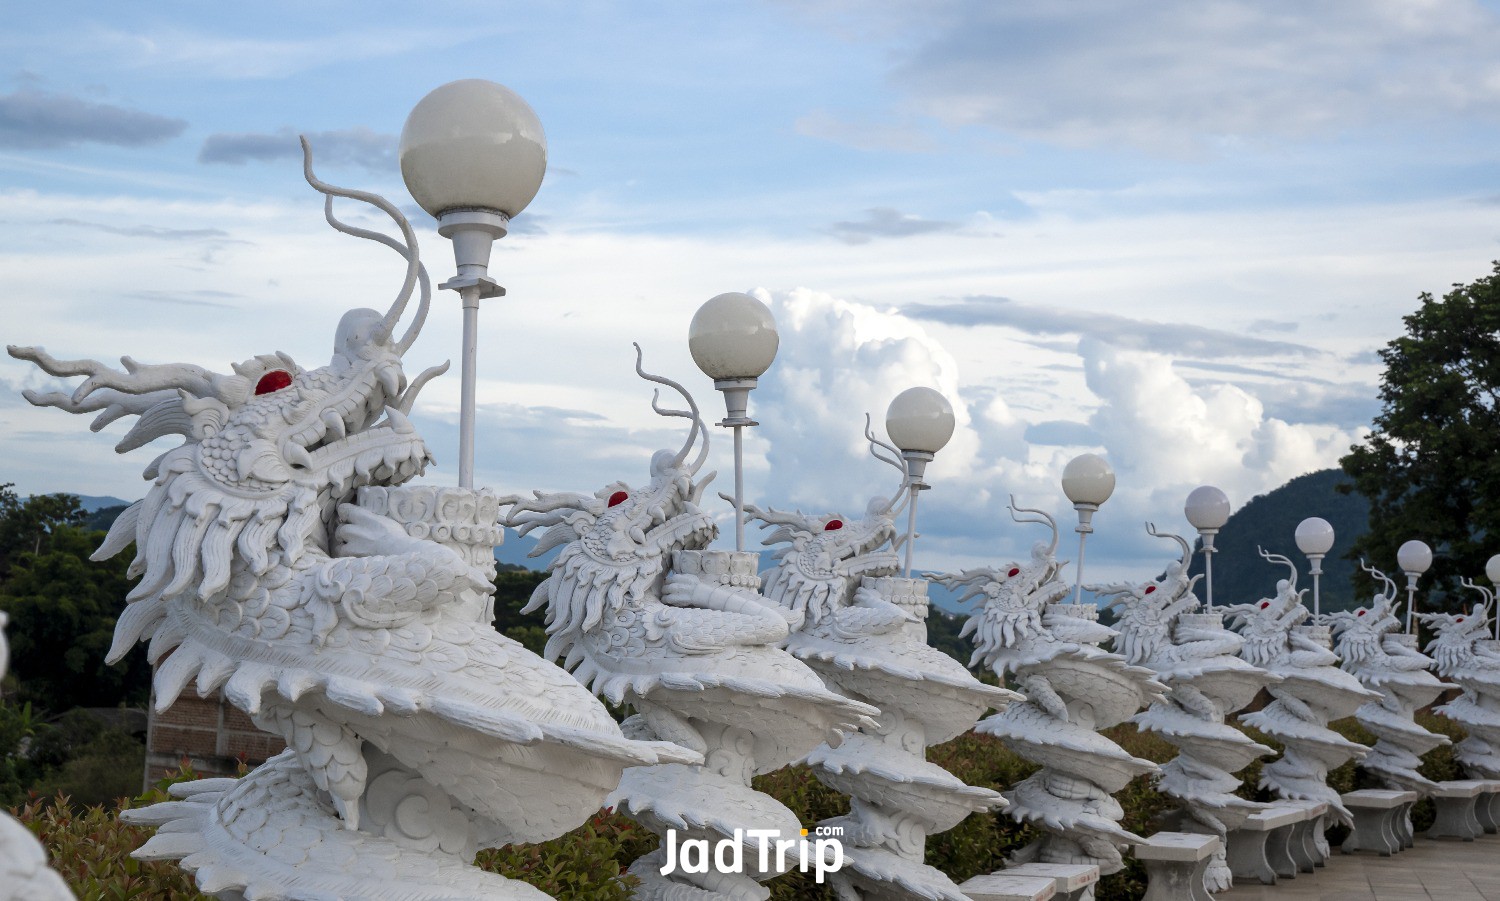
210,732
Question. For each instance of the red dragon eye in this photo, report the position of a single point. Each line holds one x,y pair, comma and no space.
618,498
833,525
1264,604
1459,620
274,380
1014,571
1150,588
1360,613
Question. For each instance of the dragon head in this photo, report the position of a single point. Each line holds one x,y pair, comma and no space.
1372,621
270,450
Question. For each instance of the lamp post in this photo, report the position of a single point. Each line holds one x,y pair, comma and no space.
1492,569
919,422
733,340
1414,557
473,155
1315,539
1207,509
1088,482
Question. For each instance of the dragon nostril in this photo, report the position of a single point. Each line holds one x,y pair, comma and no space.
618,498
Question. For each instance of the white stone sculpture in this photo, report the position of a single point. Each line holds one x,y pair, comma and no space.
1073,689
284,561
1160,627
864,631
1312,692
24,874
1371,645
645,616
1464,652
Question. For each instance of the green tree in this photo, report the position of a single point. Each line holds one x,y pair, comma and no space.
1431,468
63,609
27,523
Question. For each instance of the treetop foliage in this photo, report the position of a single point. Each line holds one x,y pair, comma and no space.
1431,468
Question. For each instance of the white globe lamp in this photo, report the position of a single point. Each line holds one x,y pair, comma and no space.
473,155
1207,510
1314,537
1414,557
920,423
733,339
1088,482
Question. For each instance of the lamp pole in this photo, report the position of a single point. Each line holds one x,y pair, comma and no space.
1088,482
1207,509
920,423
1315,539
473,155
1414,557
733,339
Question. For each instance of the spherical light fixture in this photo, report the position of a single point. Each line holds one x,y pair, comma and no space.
1314,537
473,154
733,340
1492,569
1207,509
473,144
1414,557
920,422
1088,482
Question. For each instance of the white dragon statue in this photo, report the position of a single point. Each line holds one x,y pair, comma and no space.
1073,689
1371,645
1161,627
864,631
24,874
642,614
1312,692
284,562
1464,652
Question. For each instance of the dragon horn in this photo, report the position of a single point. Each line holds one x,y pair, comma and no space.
895,459
1187,550
1046,519
691,413
415,271
1278,558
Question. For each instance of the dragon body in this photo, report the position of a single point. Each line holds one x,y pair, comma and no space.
644,615
1464,652
1371,645
1312,692
1161,627
864,632
285,562
1073,689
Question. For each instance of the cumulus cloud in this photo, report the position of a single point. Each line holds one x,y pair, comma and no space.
1164,435
1142,334
32,119
886,222
349,147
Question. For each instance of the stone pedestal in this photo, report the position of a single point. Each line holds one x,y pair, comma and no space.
1375,812
1007,887
1175,863
1454,803
1248,851
1074,881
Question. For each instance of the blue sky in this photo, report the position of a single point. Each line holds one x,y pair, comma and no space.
1173,232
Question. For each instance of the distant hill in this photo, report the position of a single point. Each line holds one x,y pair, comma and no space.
95,503
1270,521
